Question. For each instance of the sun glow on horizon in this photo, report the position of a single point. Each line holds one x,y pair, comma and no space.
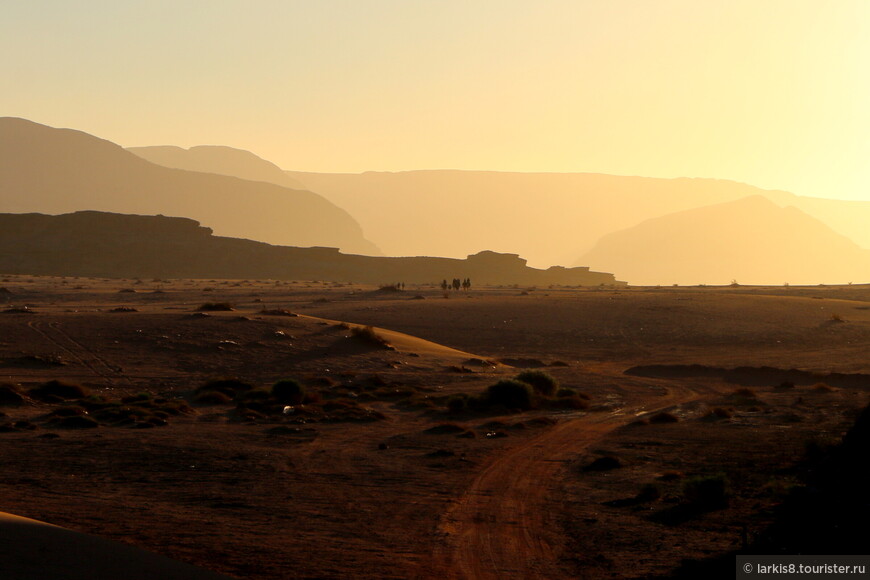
773,94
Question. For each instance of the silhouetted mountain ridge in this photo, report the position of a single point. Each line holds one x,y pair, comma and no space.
62,170
102,244
751,240
219,160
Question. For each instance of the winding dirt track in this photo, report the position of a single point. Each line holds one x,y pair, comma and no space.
506,525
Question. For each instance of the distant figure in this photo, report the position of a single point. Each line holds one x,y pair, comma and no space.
444,285
466,284
456,284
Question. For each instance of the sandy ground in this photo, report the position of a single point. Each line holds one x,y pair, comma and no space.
361,481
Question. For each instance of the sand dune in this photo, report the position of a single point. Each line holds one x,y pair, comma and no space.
34,550
412,344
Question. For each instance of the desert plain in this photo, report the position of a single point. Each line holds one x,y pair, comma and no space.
168,439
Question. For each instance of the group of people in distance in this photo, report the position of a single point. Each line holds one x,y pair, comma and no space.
465,284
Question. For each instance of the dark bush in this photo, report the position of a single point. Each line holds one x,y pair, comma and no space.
664,417
605,463
228,386
446,429
706,492
68,412
257,395
216,307
511,394
277,312
457,403
58,390
368,334
543,383
288,391
649,492
572,402
10,395
76,422
211,398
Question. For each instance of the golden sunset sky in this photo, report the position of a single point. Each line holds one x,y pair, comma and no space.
775,93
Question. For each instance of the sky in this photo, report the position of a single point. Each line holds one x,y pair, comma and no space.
769,92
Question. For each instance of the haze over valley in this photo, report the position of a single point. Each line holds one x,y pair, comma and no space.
389,289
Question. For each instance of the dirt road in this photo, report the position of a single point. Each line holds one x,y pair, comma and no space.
506,524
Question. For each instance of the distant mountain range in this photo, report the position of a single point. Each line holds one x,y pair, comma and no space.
111,245
647,230
49,170
219,160
750,240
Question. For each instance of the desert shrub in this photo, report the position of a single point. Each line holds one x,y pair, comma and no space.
572,402
137,398
21,310
670,476
720,413
368,334
257,395
277,312
649,492
744,397
663,417
818,448
176,407
288,391
211,398
10,395
457,403
228,386
68,412
706,492
605,463
446,429
511,394
543,383
76,422
58,390
216,307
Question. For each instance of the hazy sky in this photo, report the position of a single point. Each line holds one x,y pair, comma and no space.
771,92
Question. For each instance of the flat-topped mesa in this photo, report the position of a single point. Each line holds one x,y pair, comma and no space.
89,223
91,243
495,258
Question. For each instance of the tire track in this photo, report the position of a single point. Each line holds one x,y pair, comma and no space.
79,352
505,525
